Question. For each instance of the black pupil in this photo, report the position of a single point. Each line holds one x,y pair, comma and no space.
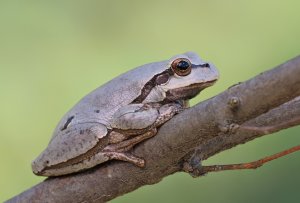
183,65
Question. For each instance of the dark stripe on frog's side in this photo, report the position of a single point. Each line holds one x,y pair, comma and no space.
150,85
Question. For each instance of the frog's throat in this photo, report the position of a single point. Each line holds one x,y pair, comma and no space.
188,92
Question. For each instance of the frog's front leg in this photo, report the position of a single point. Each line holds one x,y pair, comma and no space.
136,118
130,120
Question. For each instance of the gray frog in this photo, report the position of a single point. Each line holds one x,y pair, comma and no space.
109,121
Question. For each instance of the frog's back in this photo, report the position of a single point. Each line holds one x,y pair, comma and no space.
100,104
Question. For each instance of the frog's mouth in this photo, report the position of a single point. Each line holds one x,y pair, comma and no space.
187,92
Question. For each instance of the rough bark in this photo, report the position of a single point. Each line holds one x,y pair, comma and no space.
210,127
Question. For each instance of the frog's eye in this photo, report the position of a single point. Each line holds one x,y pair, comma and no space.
181,66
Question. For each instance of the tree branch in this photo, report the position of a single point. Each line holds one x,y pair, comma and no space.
210,127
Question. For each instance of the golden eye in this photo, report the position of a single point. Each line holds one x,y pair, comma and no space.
181,66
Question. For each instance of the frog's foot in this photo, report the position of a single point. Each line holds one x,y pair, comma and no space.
125,157
128,144
167,111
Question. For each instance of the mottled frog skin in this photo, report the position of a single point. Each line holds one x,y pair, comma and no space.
110,120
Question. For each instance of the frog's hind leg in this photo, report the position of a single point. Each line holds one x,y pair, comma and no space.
125,157
128,144
118,150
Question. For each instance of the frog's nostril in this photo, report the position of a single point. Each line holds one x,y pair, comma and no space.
205,65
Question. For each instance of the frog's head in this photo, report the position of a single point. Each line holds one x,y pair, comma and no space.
182,78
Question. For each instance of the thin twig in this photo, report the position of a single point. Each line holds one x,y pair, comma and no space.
250,165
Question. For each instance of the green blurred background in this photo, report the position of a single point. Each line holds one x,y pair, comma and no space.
52,53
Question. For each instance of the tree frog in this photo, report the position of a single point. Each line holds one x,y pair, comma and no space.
108,122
